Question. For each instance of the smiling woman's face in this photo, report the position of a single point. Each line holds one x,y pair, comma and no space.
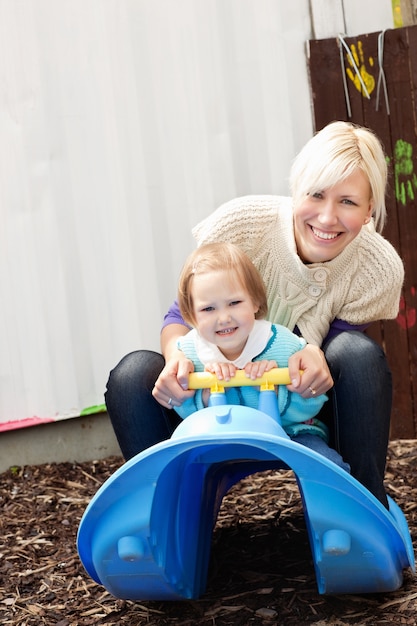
327,221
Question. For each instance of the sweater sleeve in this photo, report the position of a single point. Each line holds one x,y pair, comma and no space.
296,412
374,294
190,406
301,410
187,345
242,221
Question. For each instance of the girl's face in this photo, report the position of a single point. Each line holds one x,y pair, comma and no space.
327,221
223,310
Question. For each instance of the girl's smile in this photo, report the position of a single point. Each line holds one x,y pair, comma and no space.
227,331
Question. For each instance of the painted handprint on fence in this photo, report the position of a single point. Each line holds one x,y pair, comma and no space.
404,175
407,316
358,58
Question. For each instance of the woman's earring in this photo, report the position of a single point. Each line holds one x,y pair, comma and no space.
367,220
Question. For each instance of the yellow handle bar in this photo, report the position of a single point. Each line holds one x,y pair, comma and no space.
206,380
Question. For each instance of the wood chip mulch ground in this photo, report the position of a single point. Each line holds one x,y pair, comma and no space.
261,570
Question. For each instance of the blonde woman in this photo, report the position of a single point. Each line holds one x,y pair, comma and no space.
328,274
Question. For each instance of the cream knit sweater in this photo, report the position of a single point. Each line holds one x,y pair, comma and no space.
361,285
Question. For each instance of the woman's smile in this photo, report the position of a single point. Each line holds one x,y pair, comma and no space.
326,236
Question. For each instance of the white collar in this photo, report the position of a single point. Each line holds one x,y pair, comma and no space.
208,352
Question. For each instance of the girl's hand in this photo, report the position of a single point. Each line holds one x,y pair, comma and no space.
255,369
223,371
316,378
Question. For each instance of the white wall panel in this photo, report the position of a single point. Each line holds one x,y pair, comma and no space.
123,123
368,17
350,17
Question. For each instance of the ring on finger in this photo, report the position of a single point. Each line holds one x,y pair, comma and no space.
313,391
170,402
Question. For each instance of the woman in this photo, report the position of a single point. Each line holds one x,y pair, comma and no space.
328,274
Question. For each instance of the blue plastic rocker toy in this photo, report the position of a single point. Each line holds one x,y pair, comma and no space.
146,534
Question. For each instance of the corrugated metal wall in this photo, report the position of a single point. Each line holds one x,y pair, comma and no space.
122,123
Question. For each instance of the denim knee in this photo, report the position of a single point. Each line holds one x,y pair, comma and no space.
355,354
138,369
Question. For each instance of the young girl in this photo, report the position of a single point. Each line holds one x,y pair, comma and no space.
222,296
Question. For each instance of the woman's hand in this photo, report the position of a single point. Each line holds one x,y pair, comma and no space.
316,378
171,388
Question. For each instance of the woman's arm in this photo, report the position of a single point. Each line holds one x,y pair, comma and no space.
170,389
169,337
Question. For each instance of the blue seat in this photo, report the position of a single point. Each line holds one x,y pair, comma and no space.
146,534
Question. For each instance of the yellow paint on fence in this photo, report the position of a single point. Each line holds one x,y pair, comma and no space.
360,61
397,14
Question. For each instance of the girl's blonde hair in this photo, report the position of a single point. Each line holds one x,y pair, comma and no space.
212,257
332,155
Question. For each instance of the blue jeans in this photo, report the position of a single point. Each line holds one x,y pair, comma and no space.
358,413
316,443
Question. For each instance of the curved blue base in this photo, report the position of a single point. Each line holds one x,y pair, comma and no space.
146,534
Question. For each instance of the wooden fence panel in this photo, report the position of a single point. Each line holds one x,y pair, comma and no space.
395,122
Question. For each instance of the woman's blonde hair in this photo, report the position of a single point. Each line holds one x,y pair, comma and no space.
212,257
332,155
